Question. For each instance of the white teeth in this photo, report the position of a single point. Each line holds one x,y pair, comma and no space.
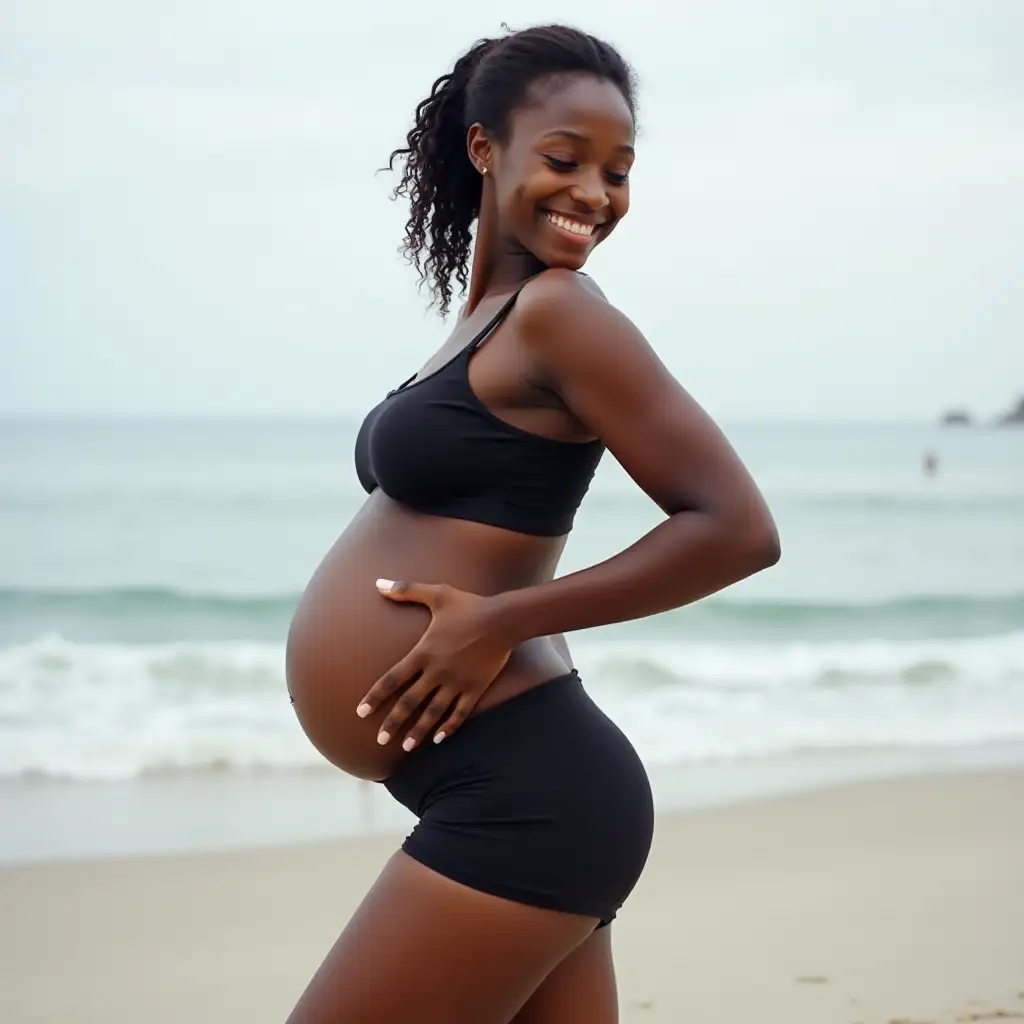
571,225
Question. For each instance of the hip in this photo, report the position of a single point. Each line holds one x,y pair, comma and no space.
541,799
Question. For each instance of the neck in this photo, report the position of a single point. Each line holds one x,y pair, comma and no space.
499,265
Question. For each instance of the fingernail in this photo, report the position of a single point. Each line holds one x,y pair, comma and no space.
409,743
385,584
438,736
383,737
363,710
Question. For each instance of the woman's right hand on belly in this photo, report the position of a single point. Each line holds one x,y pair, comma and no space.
454,662
345,635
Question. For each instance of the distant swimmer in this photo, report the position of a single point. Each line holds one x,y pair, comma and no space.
930,464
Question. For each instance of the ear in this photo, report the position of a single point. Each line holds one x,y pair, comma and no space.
480,148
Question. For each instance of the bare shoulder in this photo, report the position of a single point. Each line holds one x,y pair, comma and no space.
588,282
555,291
568,325
611,379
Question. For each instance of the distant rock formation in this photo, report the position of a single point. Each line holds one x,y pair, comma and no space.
1013,418
955,418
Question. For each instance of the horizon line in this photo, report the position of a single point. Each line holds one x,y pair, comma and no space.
204,419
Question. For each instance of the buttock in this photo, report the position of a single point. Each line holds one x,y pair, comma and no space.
541,800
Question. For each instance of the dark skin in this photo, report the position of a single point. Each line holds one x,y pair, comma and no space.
476,616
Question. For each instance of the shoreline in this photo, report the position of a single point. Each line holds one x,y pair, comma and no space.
873,902
54,821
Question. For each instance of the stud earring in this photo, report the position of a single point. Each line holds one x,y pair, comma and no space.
483,170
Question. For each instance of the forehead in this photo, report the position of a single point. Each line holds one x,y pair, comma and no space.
580,104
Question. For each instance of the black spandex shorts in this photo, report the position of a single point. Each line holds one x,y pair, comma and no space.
541,800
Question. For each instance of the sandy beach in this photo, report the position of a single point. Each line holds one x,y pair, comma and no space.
877,902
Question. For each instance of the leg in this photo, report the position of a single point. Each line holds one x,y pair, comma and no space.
422,947
580,990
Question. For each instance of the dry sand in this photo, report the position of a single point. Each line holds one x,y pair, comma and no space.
881,902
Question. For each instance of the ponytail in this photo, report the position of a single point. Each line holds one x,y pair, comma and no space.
440,182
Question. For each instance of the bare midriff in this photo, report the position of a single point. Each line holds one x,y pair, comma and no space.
345,635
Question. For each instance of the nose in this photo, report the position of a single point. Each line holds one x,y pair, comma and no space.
590,189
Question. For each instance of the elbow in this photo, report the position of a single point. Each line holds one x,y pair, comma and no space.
764,545
771,547
756,545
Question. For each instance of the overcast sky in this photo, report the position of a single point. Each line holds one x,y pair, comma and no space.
827,221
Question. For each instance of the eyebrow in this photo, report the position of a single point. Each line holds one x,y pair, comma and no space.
570,134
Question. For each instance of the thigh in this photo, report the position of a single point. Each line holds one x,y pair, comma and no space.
422,947
580,990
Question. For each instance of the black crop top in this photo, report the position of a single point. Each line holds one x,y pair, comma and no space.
434,446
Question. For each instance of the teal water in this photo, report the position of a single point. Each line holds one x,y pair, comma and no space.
148,573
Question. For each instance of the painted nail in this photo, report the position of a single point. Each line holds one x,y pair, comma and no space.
383,737
385,584
409,743
438,736
363,710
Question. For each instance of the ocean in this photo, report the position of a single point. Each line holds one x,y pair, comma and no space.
148,572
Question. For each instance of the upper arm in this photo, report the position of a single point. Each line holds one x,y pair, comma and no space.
614,383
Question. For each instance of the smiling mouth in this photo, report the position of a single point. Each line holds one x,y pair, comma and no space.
575,230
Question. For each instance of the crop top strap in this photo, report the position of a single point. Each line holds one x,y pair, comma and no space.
497,318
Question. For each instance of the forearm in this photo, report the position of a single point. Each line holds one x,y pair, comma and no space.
688,556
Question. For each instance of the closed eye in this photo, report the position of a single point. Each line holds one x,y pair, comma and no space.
568,166
562,166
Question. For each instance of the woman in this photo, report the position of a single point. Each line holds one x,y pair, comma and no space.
453,684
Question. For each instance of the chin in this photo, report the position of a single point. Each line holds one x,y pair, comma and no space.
561,260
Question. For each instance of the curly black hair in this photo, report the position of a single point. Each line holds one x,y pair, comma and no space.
486,84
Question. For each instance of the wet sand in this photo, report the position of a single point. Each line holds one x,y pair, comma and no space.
883,901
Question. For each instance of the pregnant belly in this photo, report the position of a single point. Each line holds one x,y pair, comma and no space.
345,635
